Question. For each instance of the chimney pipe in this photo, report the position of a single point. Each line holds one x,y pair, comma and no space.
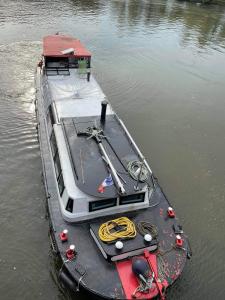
103,112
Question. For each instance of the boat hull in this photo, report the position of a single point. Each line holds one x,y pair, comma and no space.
89,269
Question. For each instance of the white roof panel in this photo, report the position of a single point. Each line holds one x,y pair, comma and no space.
74,96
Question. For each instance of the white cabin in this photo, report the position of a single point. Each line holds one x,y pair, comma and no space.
72,103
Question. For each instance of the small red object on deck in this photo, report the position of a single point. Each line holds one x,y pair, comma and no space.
70,253
64,235
179,241
171,212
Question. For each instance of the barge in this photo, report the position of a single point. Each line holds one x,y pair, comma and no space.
111,225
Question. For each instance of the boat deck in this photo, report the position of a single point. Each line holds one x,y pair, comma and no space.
87,159
89,259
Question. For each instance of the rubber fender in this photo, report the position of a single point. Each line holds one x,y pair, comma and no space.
65,279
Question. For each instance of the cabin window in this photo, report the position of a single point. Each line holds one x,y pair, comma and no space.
58,169
130,199
58,173
57,66
69,205
56,62
61,184
50,119
53,144
51,115
72,62
102,204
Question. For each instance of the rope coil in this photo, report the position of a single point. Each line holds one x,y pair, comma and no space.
137,170
121,228
146,227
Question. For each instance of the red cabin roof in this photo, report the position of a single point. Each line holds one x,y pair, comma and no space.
53,45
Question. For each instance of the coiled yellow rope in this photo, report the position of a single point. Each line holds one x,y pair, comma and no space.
121,228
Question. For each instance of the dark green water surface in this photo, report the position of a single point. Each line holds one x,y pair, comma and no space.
162,65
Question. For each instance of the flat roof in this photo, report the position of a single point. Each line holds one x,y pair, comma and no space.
87,159
74,96
53,45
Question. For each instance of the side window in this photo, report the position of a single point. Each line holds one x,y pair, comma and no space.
61,184
58,169
69,205
53,144
50,119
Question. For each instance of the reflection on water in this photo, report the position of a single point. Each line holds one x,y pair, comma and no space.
205,24
90,7
161,63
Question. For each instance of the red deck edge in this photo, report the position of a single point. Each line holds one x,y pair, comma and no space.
129,280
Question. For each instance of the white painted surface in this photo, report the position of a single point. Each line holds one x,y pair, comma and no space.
74,96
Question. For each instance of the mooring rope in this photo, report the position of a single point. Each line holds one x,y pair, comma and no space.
144,227
121,228
137,170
